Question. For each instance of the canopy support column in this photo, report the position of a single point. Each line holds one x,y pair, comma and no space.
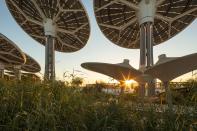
146,14
50,33
17,72
146,45
142,90
142,47
146,51
2,67
168,95
151,87
150,60
50,58
149,44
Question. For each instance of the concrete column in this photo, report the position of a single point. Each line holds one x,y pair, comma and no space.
168,95
141,90
122,87
50,58
2,67
151,87
17,71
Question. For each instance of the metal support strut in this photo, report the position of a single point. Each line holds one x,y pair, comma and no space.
149,43
146,49
50,58
142,47
146,15
146,45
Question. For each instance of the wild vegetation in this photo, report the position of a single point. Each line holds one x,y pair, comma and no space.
26,106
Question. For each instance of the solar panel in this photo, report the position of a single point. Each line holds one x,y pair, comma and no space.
58,24
118,20
68,17
10,54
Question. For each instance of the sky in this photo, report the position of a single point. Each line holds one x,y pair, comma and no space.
97,49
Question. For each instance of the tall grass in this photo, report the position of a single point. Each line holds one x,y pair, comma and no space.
50,107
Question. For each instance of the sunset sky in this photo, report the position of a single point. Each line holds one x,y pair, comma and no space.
98,48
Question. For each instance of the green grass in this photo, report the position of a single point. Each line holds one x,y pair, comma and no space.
27,106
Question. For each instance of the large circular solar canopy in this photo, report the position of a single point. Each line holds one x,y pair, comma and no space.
10,53
68,16
118,20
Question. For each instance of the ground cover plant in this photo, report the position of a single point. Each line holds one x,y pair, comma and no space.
27,106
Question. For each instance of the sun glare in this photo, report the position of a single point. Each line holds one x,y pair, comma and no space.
129,82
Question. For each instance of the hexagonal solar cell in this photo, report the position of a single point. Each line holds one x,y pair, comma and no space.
10,54
118,21
69,17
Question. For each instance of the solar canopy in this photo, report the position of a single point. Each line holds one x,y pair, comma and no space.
118,20
165,69
121,72
68,17
58,24
10,54
169,68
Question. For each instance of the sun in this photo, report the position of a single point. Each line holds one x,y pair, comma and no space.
129,82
